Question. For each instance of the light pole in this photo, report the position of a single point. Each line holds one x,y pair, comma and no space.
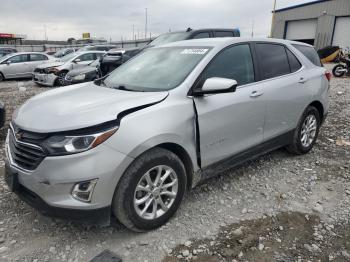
273,17
146,25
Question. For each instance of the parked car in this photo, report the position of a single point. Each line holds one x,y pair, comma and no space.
50,52
64,51
116,57
97,47
194,34
21,65
6,50
53,74
84,74
2,114
134,142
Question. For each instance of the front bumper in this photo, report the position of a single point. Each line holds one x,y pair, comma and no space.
49,187
44,79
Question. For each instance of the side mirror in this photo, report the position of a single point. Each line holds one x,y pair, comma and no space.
77,60
8,62
217,85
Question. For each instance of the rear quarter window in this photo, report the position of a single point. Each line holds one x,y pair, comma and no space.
310,53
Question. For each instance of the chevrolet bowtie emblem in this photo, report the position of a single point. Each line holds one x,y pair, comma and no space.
18,136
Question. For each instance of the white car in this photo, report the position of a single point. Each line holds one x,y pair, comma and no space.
21,65
53,74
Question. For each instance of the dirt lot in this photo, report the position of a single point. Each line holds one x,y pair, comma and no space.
276,208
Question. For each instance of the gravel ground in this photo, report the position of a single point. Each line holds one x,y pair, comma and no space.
278,207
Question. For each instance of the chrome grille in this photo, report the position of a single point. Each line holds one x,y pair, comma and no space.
25,155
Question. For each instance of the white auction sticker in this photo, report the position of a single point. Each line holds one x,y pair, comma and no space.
194,51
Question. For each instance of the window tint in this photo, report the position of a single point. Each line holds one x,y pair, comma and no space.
18,59
202,35
224,34
234,63
37,57
87,57
273,59
310,53
293,62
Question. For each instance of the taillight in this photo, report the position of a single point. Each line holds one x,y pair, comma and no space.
328,75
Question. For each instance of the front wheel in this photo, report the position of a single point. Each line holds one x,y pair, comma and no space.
339,70
150,191
305,135
61,80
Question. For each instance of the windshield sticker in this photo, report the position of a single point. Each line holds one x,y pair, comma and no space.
193,51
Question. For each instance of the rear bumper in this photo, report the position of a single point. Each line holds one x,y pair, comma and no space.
100,216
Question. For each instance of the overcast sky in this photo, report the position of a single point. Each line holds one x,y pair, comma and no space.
115,18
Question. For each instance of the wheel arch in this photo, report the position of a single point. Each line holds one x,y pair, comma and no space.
184,157
318,105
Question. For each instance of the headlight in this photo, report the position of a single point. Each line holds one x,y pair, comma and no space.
65,144
79,77
51,70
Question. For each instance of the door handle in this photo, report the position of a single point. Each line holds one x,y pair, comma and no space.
256,93
302,80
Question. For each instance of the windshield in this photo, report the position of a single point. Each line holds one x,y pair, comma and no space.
156,69
2,58
168,38
68,57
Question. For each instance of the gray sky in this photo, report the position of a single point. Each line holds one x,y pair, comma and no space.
115,18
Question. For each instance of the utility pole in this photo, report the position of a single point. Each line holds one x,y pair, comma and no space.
273,17
133,32
45,31
146,25
253,29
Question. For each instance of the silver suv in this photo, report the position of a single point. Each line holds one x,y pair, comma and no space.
133,143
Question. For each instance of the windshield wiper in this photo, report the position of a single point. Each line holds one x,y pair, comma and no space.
124,88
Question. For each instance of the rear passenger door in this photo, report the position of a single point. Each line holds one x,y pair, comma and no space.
34,61
283,88
231,122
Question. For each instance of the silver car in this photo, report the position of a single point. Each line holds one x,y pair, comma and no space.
21,65
133,143
53,74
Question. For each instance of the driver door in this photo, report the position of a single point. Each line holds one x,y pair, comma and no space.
84,59
230,123
15,66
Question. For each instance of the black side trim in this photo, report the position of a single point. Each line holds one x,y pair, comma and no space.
99,216
197,135
249,154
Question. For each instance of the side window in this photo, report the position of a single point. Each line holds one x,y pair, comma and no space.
223,34
202,35
18,59
98,55
294,63
37,57
87,57
235,63
273,59
310,53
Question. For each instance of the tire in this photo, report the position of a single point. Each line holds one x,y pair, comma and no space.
299,145
335,70
61,78
125,197
2,78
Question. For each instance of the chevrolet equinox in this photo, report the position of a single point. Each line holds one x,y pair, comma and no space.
132,143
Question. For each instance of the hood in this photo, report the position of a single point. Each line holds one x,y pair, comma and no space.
50,64
79,106
81,70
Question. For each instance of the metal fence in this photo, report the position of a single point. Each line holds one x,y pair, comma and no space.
51,47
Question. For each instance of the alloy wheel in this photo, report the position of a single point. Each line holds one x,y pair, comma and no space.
155,192
308,131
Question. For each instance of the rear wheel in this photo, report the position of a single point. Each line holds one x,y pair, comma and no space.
305,135
150,191
339,70
2,78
